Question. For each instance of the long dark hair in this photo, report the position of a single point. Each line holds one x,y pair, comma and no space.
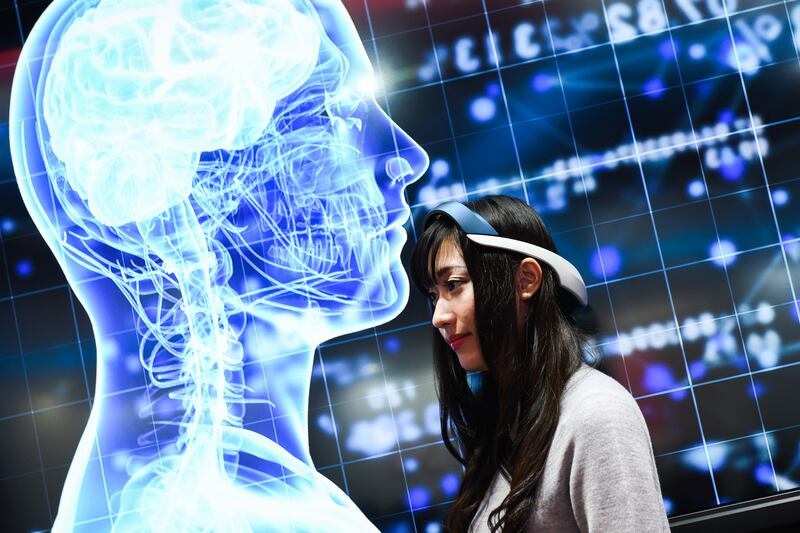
508,423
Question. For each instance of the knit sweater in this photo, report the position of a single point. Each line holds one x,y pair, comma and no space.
600,474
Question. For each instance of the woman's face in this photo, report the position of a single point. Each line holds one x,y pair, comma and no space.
454,307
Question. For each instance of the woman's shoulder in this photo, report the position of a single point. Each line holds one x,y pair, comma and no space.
591,397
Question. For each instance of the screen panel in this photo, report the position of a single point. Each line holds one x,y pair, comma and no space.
656,138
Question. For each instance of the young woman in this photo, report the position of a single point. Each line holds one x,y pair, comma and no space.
547,442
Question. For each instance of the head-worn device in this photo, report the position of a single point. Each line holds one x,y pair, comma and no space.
481,232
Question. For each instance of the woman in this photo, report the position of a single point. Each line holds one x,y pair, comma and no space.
547,442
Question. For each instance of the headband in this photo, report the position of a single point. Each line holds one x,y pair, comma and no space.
481,232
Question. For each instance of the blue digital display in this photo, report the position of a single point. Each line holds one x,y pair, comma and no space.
660,141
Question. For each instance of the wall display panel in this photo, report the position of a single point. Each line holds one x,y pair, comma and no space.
659,139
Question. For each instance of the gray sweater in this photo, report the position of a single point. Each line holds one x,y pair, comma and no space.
600,474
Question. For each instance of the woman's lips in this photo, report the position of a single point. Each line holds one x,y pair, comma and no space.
456,341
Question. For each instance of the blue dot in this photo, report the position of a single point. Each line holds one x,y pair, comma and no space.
697,370
543,82
607,259
24,268
732,170
449,484
440,168
780,197
756,390
411,464
666,50
726,116
493,89
678,395
654,88
763,474
697,189
392,344
668,506
658,377
483,109
419,497
8,226
723,252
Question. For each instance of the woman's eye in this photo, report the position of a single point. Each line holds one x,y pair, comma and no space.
432,297
452,284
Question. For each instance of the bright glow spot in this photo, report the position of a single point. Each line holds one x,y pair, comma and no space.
8,226
419,497
24,269
697,51
697,370
433,527
411,464
606,260
697,189
440,168
763,474
543,82
765,313
723,252
658,377
668,505
666,50
780,197
654,88
483,109
732,169
450,484
392,344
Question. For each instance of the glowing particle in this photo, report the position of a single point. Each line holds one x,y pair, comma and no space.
697,370
654,88
411,464
450,484
763,474
543,83
780,197
24,269
733,169
658,377
483,109
697,189
666,50
419,497
697,51
606,260
392,344
8,226
440,168
723,252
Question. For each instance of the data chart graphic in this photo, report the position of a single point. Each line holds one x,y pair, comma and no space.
659,139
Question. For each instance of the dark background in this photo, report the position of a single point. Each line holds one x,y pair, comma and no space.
659,140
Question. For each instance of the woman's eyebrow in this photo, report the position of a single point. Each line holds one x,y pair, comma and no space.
444,270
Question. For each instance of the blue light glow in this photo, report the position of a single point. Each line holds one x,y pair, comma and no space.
208,164
780,197
419,497
608,260
697,188
24,268
483,109
654,88
723,252
543,82
450,484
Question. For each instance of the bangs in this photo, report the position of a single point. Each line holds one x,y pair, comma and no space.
423,258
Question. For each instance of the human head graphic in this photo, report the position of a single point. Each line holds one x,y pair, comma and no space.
197,166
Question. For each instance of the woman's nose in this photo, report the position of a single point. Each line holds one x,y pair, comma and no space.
442,316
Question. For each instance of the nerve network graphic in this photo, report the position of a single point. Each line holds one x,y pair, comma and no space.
223,193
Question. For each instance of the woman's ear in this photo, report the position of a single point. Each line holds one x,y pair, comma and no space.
529,278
